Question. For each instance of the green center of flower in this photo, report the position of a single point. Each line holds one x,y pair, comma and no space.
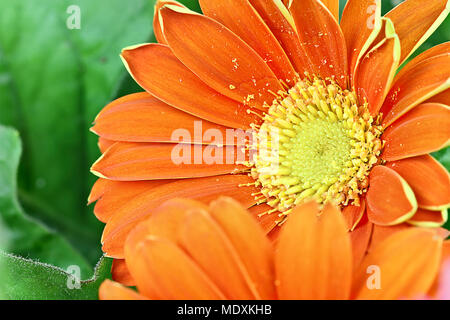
316,142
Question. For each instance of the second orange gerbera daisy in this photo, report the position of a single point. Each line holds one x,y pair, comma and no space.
188,250
328,117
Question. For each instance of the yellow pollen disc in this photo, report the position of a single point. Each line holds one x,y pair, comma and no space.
316,142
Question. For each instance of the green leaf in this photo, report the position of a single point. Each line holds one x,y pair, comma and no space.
30,280
127,84
53,81
443,156
18,233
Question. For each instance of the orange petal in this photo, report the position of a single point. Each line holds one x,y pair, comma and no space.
130,161
390,199
120,273
440,49
416,85
429,219
443,233
139,117
219,57
166,220
157,19
443,98
428,179
314,258
440,285
98,190
160,73
376,70
322,39
118,193
278,19
216,256
142,206
380,233
104,144
176,276
415,21
268,221
407,263
274,234
164,223
110,290
352,214
424,129
333,7
360,238
366,14
241,18
250,242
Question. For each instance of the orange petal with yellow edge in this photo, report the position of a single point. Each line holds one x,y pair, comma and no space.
278,18
416,20
333,7
130,161
250,242
416,85
313,259
141,207
241,18
405,263
390,199
424,129
121,274
443,98
157,19
98,190
376,70
110,290
429,219
140,117
428,179
104,144
322,39
366,14
440,49
219,57
156,69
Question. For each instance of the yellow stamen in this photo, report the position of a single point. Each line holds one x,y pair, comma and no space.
315,142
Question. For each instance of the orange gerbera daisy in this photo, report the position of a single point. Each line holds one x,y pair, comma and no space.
328,117
187,250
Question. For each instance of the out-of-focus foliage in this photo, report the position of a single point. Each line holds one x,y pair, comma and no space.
53,81
18,233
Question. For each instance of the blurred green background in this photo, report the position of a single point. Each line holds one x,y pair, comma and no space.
53,81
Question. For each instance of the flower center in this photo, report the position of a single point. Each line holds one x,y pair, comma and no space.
315,142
